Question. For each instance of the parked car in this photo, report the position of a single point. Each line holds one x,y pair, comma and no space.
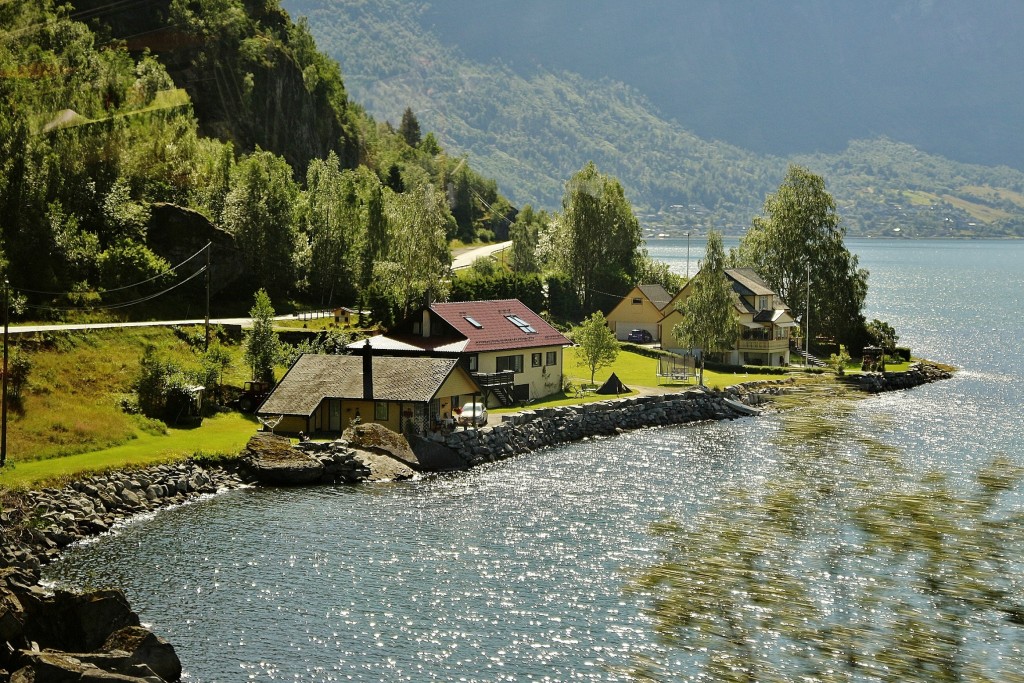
639,336
473,414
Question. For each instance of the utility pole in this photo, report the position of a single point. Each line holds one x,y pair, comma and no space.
687,254
3,399
807,320
207,346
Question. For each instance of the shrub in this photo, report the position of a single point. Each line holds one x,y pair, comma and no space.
838,361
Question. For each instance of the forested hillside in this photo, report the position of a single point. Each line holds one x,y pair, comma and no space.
130,129
531,132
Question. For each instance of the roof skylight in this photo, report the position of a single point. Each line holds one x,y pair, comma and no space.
521,324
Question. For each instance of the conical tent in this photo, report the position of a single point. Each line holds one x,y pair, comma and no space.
612,386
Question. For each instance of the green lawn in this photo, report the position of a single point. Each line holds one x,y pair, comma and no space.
635,370
223,434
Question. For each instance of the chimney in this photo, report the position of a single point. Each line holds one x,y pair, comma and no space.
428,300
367,371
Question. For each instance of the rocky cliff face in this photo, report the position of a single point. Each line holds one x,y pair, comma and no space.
241,74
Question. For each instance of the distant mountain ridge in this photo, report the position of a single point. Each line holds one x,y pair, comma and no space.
532,132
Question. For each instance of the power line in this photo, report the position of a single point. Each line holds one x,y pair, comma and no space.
111,307
115,289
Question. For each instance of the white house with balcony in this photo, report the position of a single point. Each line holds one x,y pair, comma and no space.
763,317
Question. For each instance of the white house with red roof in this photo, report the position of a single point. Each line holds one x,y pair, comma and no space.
513,354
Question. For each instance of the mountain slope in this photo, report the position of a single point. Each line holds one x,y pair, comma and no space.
799,76
532,132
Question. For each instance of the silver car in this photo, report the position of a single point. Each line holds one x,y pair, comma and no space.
473,414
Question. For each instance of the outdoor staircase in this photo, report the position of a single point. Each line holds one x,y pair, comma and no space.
504,395
808,358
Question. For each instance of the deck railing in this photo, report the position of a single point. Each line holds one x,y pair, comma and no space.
490,380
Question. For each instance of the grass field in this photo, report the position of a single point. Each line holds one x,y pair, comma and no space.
70,420
223,434
636,370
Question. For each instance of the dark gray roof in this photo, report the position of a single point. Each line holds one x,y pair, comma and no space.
656,294
315,377
750,283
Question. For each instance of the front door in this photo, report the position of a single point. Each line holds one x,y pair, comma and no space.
334,416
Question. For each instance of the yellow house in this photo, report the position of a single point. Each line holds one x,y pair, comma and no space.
764,319
512,353
324,394
639,310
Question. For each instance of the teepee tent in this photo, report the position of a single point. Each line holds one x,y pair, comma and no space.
612,386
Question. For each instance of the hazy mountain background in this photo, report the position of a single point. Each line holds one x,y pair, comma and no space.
793,77
910,109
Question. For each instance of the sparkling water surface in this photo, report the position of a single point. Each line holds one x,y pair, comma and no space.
515,571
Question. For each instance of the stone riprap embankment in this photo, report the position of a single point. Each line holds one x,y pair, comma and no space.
534,429
95,636
916,375
38,524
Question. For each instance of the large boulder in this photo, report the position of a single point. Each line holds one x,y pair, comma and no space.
75,622
273,461
146,648
375,438
436,457
176,233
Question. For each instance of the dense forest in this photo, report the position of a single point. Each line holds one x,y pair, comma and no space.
532,131
121,123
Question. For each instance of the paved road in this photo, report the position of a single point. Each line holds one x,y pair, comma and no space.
465,258
25,329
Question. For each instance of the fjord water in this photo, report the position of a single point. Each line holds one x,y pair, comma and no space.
514,571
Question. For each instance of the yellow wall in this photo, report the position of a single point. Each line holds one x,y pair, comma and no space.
544,380
627,315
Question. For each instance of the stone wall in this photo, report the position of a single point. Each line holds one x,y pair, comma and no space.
533,429
916,375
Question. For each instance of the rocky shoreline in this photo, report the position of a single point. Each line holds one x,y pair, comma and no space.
916,375
99,637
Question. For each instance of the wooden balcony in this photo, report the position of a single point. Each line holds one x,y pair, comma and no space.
769,345
492,380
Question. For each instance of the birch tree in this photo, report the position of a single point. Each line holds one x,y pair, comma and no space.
799,239
709,312
598,237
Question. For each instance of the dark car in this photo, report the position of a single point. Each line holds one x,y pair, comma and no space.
639,336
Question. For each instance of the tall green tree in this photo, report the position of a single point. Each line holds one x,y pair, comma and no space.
259,211
334,229
409,128
709,311
525,235
799,239
598,347
598,237
262,346
418,259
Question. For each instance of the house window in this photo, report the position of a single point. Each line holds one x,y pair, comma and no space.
513,363
474,362
762,303
535,359
552,358
637,301
380,411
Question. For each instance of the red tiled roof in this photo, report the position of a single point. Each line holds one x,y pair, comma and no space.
494,330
